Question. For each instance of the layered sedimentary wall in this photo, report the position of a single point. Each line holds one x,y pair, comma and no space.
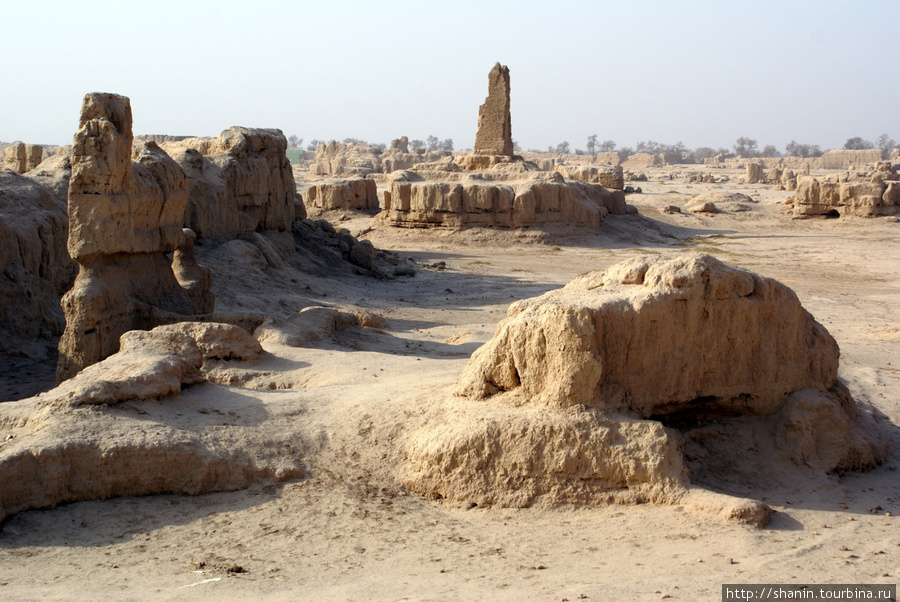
543,199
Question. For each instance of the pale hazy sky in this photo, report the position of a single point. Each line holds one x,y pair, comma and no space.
702,73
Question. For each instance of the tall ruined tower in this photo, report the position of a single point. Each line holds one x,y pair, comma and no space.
494,136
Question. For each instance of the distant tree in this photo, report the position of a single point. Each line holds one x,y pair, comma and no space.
795,149
704,152
562,148
607,146
592,144
416,145
648,146
313,144
886,144
517,147
745,147
792,149
447,145
433,143
625,152
770,151
354,141
675,153
295,141
857,143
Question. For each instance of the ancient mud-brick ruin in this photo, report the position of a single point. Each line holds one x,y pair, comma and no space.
494,135
497,198
124,217
845,159
337,194
492,187
20,157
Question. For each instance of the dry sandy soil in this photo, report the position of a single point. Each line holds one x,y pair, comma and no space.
347,531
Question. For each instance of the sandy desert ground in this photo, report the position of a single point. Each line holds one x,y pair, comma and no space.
348,531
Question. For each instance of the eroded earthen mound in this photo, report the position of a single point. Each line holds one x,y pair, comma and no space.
582,383
84,453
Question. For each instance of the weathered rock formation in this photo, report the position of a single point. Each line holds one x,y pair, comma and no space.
569,400
36,269
870,198
338,194
360,159
124,217
20,157
494,134
240,182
